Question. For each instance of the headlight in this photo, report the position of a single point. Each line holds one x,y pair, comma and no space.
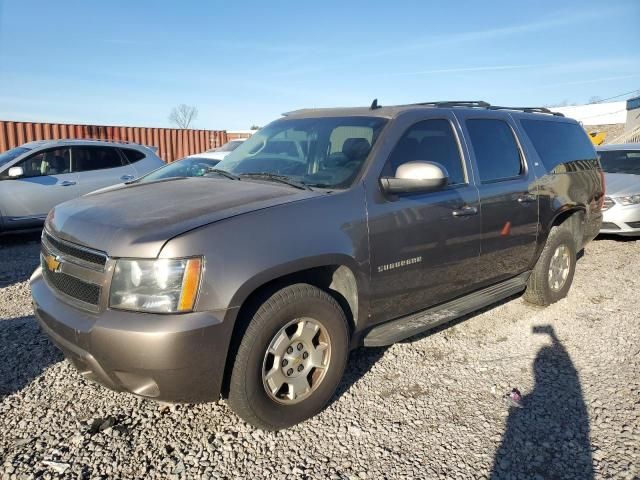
629,200
163,285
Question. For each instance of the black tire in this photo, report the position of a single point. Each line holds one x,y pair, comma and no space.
539,290
248,397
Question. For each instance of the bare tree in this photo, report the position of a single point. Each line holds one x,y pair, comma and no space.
183,115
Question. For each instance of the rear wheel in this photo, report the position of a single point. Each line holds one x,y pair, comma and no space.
290,359
552,276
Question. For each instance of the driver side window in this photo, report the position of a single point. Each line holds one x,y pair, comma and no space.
429,141
49,162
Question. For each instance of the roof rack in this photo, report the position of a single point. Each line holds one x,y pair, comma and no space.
527,110
99,140
455,103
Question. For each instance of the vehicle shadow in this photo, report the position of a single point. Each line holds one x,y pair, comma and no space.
25,352
358,365
617,238
19,257
549,436
362,359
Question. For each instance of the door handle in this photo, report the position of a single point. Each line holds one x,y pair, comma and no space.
67,183
465,211
528,198
127,177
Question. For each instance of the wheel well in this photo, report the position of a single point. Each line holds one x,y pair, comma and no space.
338,281
573,220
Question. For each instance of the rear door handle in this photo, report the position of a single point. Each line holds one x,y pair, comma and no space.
67,183
465,211
127,177
528,198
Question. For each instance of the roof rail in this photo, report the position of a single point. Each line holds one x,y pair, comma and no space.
455,103
527,110
98,140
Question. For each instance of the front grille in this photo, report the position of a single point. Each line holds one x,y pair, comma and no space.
71,286
608,203
634,224
609,226
77,252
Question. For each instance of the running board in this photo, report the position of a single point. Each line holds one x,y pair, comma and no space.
405,327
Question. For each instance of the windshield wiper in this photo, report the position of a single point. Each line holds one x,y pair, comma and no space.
222,173
276,178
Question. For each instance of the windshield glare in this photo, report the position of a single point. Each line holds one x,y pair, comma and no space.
323,152
187,167
229,146
9,155
620,161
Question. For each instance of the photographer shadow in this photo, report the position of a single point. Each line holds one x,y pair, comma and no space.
549,436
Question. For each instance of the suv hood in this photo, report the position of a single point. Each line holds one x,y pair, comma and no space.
620,184
137,220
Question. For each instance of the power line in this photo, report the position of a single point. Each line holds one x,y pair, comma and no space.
615,96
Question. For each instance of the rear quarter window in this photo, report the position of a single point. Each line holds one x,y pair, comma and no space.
558,142
132,155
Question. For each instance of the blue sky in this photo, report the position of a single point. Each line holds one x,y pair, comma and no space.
129,62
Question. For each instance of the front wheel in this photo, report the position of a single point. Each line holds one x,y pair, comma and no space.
552,276
290,359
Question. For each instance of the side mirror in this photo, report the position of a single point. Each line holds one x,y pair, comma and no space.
15,172
418,176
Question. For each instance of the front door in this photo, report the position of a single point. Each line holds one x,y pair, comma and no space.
47,180
508,197
424,246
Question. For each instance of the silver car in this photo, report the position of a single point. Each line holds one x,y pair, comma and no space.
37,176
621,164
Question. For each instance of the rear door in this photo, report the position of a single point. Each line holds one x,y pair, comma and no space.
47,181
100,166
508,195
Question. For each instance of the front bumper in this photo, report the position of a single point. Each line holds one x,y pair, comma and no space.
172,358
621,220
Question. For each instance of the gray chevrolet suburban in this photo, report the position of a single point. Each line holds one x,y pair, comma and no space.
327,230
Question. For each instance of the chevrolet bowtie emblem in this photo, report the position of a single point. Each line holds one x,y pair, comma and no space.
52,262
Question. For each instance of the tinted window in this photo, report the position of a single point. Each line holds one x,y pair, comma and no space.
495,148
302,149
49,162
620,161
95,158
132,155
558,142
9,155
430,141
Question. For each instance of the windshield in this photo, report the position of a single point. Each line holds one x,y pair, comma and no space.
620,161
9,155
187,167
322,152
229,146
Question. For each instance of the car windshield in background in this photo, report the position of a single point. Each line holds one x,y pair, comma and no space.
319,152
9,155
229,146
187,167
620,161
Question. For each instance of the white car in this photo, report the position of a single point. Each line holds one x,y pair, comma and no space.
621,166
220,152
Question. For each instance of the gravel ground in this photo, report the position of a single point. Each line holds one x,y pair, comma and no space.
432,407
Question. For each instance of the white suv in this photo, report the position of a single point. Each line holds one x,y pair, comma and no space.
37,176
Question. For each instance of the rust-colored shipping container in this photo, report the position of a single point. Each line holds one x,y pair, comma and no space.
172,143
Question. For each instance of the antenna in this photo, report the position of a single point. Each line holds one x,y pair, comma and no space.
374,104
